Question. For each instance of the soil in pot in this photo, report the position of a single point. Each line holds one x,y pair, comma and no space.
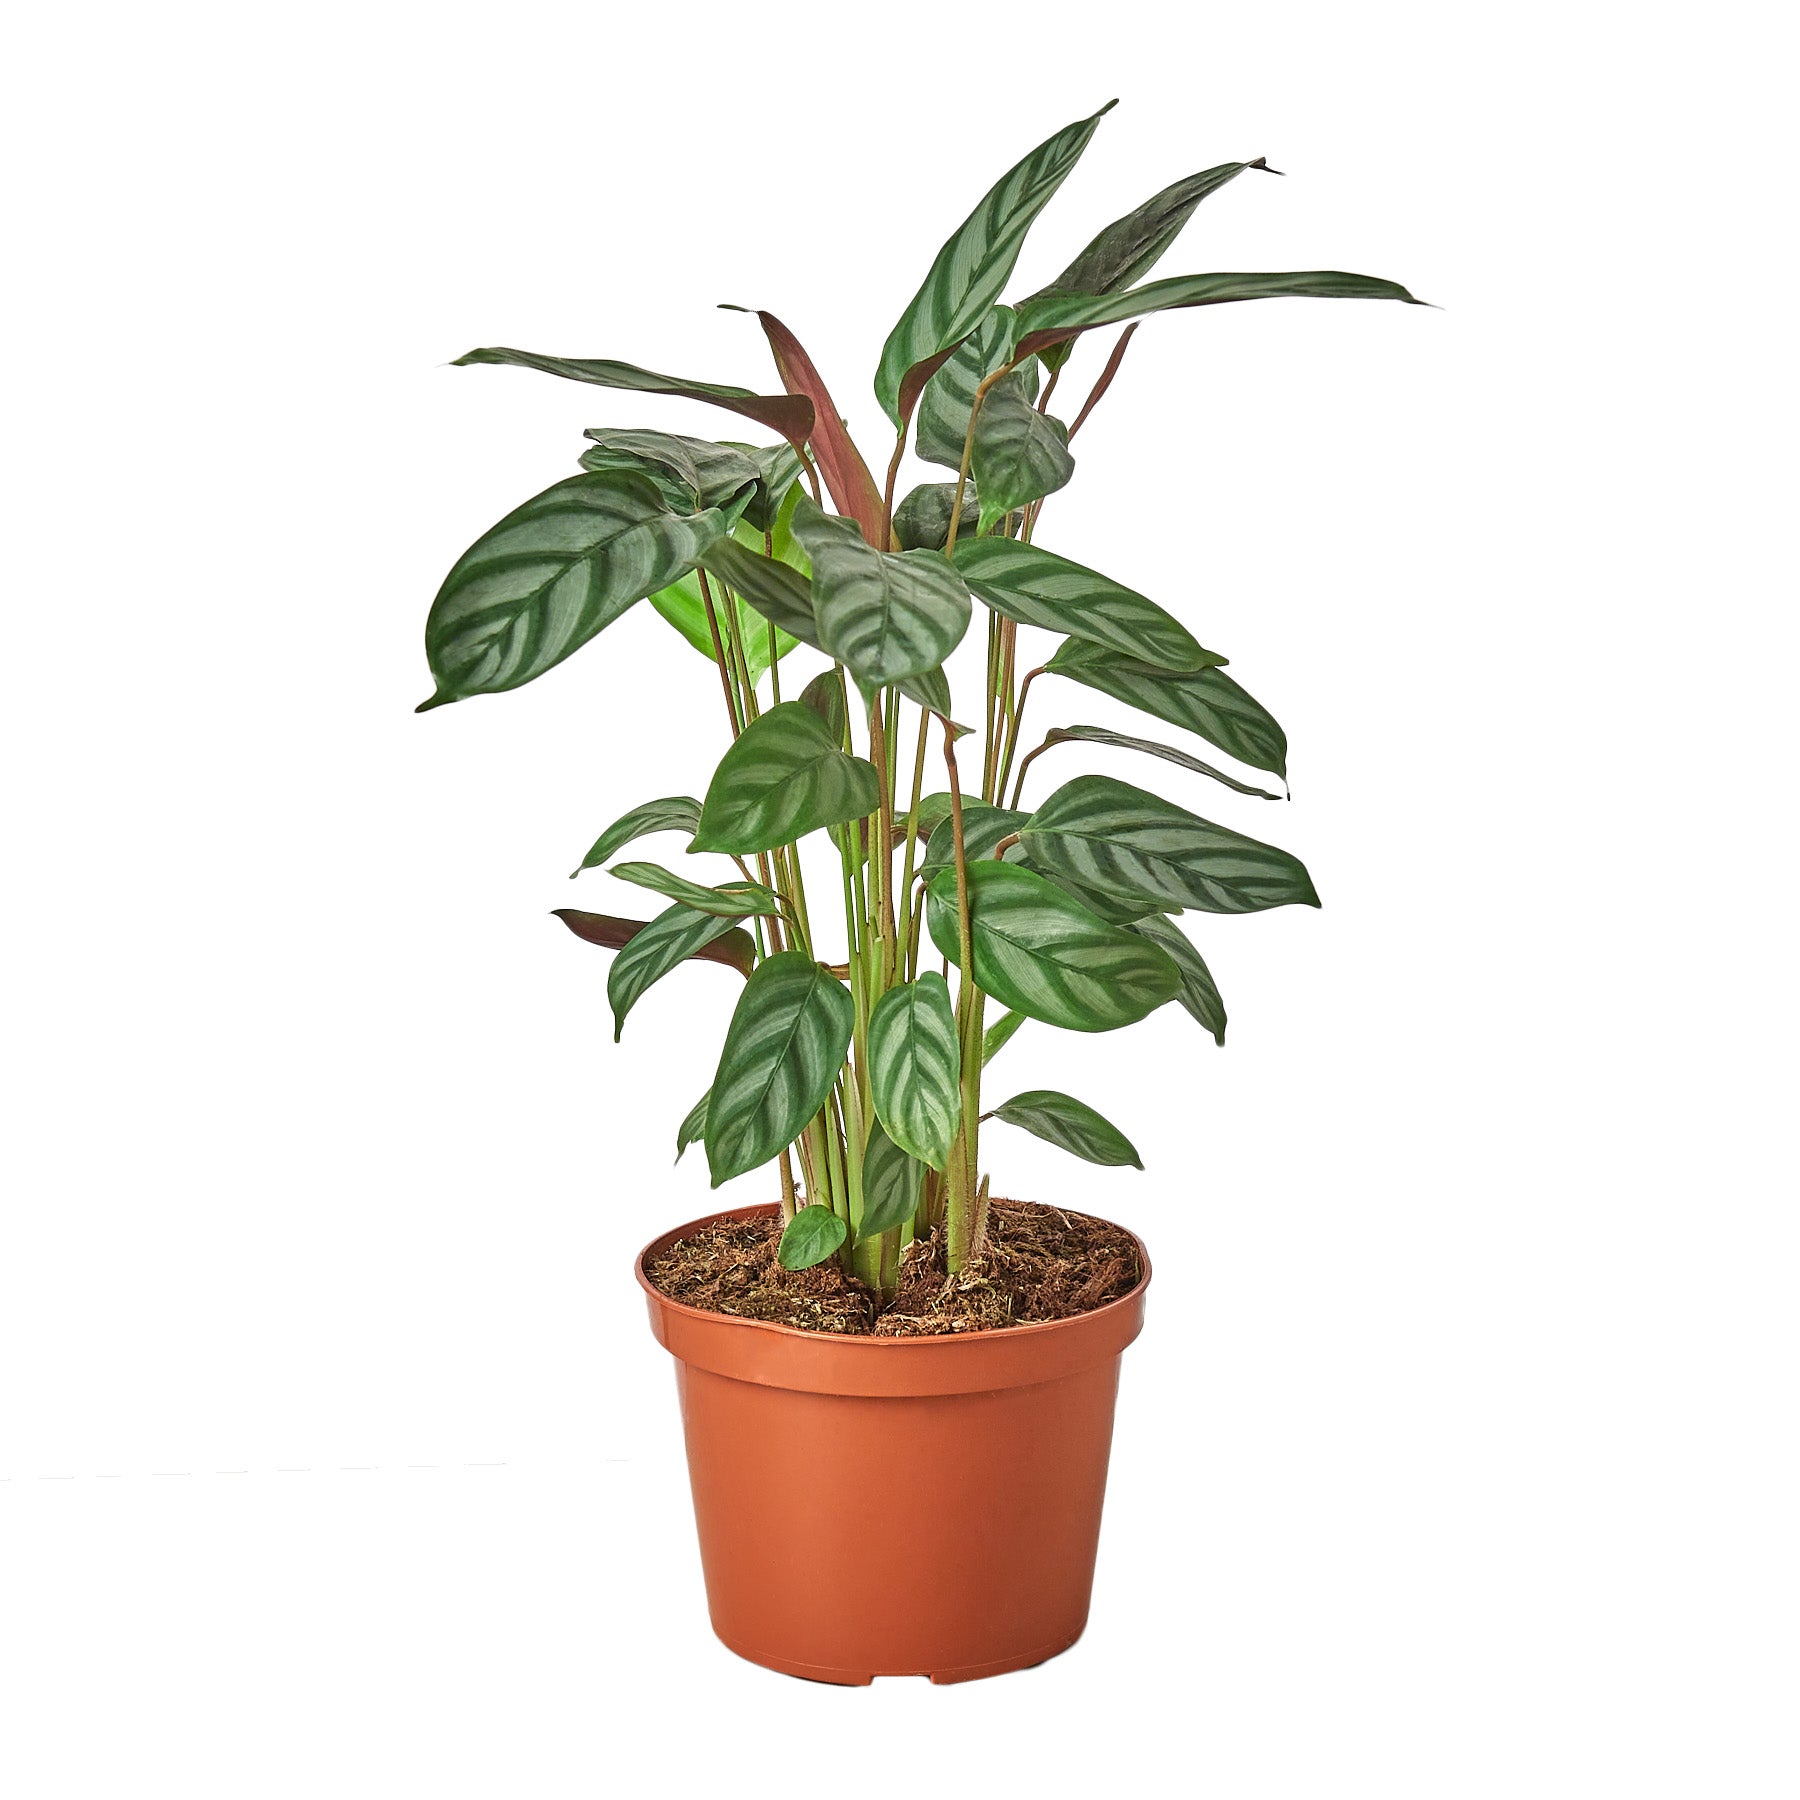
1040,1263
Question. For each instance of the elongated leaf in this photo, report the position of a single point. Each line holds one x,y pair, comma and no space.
735,949
670,938
891,1181
984,826
784,777
790,414
883,615
1069,1125
999,1034
1115,909
1095,734
782,1053
552,575
676,813
1045,955
1207,702
693,1127
1057,318
772,588
713,473
1199,994
734,900
974,264
915,1066
1022,582
1123,842
684,606
949,396
1020,454
812,1234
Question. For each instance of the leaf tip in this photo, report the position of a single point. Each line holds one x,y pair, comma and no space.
438,699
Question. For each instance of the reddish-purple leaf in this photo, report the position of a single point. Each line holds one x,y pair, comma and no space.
736,950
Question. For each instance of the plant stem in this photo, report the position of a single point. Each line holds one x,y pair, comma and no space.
959,1172
1012,742
719,656
787,1189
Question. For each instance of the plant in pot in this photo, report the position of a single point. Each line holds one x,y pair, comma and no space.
887,1354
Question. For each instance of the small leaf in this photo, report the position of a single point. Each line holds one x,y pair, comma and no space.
999,1034
785,776
949,396
676,813
776,591
825,695
735,949
777,471
1019,454
1095,734
734,900
1199,995
1071,1126
922,519
984,826
693,1127
891,1182
812,1234
712,473
915,1066
670,938
782,1053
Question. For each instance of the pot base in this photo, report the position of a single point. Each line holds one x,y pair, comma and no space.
1006,1665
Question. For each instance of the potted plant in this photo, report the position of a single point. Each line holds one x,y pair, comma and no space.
897,1387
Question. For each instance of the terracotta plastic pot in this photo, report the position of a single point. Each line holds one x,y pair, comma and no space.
895,1506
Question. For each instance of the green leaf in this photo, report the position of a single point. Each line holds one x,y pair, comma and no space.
1057,318
825,695
550,576
1095,734
915,1066
949,396
777,471
790,414
1129,248
1034,587
984,826
999,1034
678,495
670,938
712,473
676,813
693,1127
684,606
812,1234
922,519
1046,955
782,1053
884,616
973,266
1020,454
1207,702
785,776
891,1183
735,949
931,691
734,900
1071,1126
776,591
1130,845
1199,995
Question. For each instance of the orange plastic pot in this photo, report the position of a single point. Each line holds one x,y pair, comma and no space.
895,1506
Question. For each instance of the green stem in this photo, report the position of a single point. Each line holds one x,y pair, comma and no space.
959,1172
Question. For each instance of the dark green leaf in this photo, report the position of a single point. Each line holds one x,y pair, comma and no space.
1020,454
678,495
812,1234
713,473
693,1127
825,695
974,264
1130,845
677,813
1045,955
552,575
1095,734
772,588
777,470
922,519
915,1066
670,938
785,776
1071,1126
782,1053
984,826
891,1183
1199,995
735,949
734,900
999,1034
1022,582
949,396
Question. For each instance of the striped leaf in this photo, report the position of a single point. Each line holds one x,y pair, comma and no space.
676,813
735,949
983,827
1022,582
999,1034
1068,1124
1207,702
773,589
1019,454
785,776
1113,908
552,575
915,1066
777,472
949,396
883,615
712,473
1199,995
735,900
891,1183
1124,843
782,1053
1129,248
1044,954
693,1127
1058,318
678,495
974,264
812,1234
922,519
1095,734
790,414
670,938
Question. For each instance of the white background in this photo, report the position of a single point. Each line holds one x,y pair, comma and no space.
1458,1456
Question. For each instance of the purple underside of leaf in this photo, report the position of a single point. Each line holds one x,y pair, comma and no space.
614,934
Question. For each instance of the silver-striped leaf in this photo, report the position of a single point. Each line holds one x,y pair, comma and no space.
973,265
1131,845
1036,587
783,1051
984,827
670,938
785,776
1043,953
552,575
811,1235
1019,454
735,899
1070,1125
693,1127
777,471
949,396
891,1182
1199,995
772,588
713,473
1118,740
677,813
915,1067
734,949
